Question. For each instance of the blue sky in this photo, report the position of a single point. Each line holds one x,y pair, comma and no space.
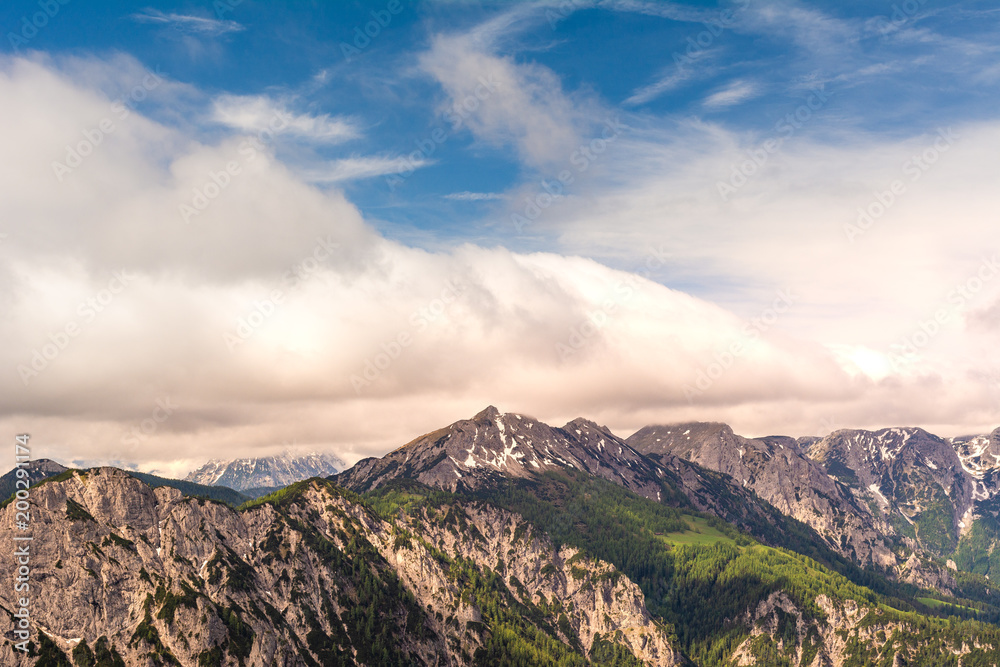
672,168
889,72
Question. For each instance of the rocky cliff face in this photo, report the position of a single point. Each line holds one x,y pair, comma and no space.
838,634
150,577
918,481
877,497
594,598
777,470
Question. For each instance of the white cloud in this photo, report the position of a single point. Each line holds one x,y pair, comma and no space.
324,298
503,102
666,10
257,113
325,294
732,94
475,196
661,86
187,23
353,168
813,31
786,226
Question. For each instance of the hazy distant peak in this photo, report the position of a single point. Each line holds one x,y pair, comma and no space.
267,471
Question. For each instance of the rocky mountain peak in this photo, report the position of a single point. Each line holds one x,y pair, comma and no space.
708,444
995,443
979,454
490,413
873,452
38,470
473,452
582,423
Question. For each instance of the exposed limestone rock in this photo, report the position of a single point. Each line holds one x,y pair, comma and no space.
167,579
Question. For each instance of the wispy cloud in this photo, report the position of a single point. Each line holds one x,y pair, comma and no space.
814,31
661,86
475,196
187,23
257,112
733,94
666,10
355,168
516,104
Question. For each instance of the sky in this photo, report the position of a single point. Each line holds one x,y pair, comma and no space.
235,228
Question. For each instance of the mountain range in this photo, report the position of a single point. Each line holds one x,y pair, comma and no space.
261,475
500,540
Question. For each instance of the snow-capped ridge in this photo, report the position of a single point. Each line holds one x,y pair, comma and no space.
267,471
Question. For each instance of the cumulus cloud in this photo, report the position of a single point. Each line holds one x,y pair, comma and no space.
277,313
503,102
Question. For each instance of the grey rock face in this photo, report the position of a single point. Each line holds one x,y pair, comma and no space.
162,578
917,480
777,470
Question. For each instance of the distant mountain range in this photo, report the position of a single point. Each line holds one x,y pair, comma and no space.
43,469
260,475
501,540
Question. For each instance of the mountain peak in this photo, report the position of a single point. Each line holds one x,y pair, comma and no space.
266,472
490,413
472,452
580,423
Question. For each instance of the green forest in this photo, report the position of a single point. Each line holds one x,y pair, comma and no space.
700,575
